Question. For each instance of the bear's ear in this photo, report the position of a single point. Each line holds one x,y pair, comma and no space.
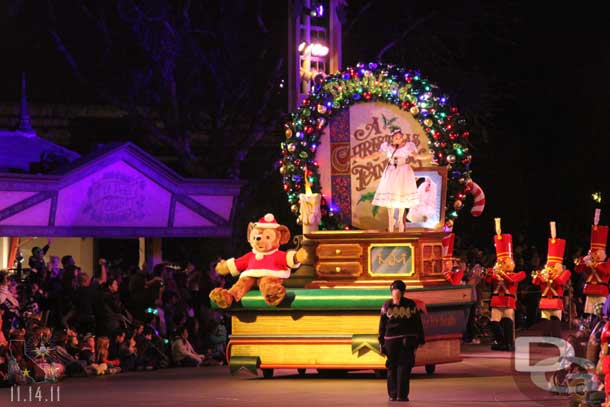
250,227
284,234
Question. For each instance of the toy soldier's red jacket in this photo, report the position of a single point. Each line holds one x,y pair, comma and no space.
455,277
597,278
503,292
552,294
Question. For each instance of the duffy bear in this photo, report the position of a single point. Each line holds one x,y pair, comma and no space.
265,265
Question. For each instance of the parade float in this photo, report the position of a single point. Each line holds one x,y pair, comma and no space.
329,317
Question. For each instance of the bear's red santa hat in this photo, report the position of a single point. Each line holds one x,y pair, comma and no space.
267,222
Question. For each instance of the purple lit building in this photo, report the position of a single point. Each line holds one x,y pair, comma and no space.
118,191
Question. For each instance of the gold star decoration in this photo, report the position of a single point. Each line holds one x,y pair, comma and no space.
41,351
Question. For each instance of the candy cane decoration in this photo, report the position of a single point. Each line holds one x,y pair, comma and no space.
479,198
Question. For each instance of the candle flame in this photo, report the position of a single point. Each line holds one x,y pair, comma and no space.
307,184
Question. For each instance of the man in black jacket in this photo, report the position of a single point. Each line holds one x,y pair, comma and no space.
400,333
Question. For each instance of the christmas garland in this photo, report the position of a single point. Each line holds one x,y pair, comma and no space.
445,127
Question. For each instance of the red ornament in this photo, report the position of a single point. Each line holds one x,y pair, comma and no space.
454,109
286,187
367,95
308,129
436,136
306,102
466,134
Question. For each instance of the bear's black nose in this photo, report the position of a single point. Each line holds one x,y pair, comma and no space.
257,238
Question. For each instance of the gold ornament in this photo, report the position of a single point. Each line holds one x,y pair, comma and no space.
428,122
288,133
322,109
283,170
292,147
457,204
414,110
294,208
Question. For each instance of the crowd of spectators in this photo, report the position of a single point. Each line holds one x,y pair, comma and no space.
58,320
116,318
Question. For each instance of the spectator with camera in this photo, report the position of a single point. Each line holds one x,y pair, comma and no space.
37,264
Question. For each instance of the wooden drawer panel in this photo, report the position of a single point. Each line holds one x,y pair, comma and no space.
339,251
337,269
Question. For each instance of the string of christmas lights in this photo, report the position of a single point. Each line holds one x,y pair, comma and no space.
448,137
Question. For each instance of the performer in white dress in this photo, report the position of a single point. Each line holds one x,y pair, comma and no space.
397,188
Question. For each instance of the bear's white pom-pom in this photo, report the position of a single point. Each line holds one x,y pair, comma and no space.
269,217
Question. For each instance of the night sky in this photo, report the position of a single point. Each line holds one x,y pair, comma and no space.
533,78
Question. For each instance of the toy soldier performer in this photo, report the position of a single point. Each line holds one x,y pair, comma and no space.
552,280
504,290
595,267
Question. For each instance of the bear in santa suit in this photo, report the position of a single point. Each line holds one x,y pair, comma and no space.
596,269
265,265
504,283
552,280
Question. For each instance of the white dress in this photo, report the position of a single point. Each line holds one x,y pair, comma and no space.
397,187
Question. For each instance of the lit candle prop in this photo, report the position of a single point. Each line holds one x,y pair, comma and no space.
310,207
498,227
553,231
